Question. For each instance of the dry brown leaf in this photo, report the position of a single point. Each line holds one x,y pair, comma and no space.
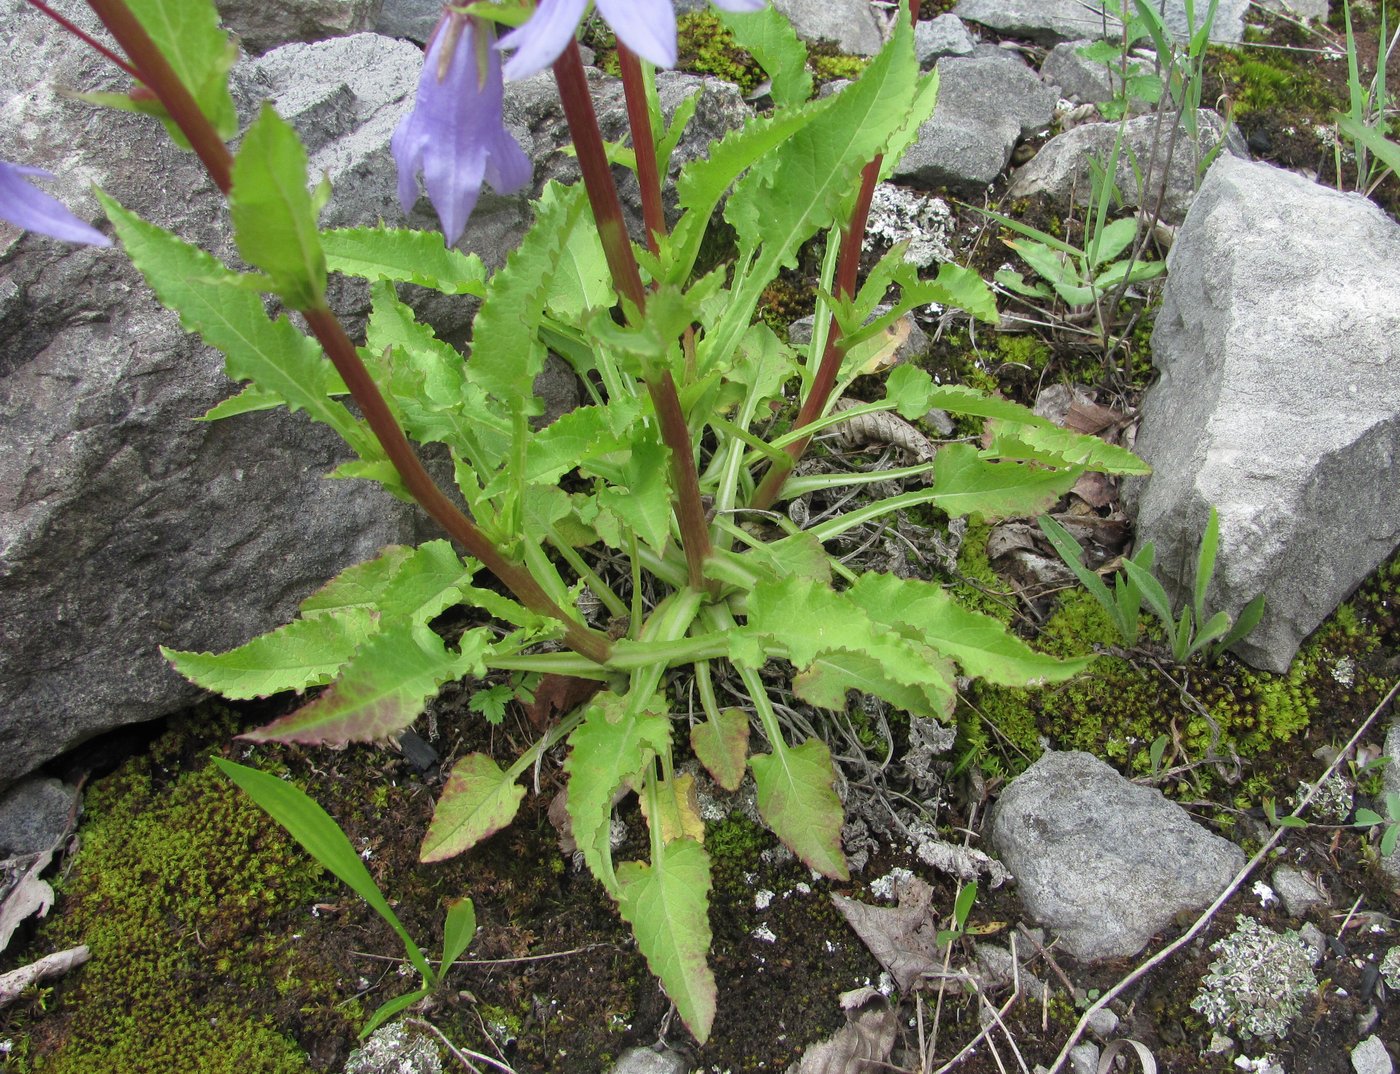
903,938
862,1046
556,695
882,427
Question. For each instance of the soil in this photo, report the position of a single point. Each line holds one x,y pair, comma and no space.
554,982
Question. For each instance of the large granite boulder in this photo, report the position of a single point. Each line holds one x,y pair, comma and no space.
1051,21
264,24
1278,343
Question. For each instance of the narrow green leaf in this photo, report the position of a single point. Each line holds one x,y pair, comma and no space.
389,1008
322,838
477,801
797,799
721,744
457,932
274,223
304,653
962,905
1060,447
1248,620
1205,564
382,691
825,681
403,255
250,400
1153,593
965,484
667,905
1070,551
605,751
212,303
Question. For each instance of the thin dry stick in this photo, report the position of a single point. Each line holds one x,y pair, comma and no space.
970,1045
460,1054
1210,911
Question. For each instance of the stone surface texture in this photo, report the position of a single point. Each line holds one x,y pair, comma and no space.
124,523
849,24
395,1049
1062,167
1079,79
646,1061
1391,782
1278,342
1299,893
1101,862
1372,1057
413,19
986,103
944,36
35,815
264,24
1051,21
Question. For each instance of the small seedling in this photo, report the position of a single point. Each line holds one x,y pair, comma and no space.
1369,818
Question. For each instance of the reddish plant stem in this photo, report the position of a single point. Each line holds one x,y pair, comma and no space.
160,78
83,36
153,70
643,144
577,100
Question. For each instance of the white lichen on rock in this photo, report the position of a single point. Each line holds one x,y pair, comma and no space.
1390,968
899,215
1259,982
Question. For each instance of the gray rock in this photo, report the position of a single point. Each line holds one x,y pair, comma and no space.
1084,1058
1371,1057
985,105
1103,1023
265,24
944,36
1103,862
1299,893
646,1061
1303,9
849,24
395,1049
1051,21
1062,167
413,19
35,815
1079,79
124,523
898,214
1278,342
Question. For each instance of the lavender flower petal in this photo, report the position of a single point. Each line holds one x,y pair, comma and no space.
741,5
26,206
455,136
647,27
539,41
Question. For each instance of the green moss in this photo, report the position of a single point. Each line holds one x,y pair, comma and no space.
706,47
177,891
1271,82
978,586
830,64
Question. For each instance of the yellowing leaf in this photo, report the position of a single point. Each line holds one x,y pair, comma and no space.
722,744
797,799
678,810
667,905
478,800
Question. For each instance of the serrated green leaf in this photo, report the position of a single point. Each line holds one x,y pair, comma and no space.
304,653
403,255
506,351
642,502
923,612
457,931
924,101
359,586
825,681
767,35
381,692
722,744
477,801
1060,447
322,838
966,484
210,302
667,905
677,814
797,799
583,434
606,751
274,223
200,53
250,400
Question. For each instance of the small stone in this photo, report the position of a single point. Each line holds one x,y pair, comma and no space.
646,1061
1298,892
1371,1057
1084,1058
943,36
34,816
1220,1044
1311,935
1103,1023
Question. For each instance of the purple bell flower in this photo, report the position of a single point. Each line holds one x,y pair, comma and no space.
647,27
455,136
25,205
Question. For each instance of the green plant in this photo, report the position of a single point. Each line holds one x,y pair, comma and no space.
322,838
1184,67
1131,79
962,908
1364,122
1188,634
1390,823
637,496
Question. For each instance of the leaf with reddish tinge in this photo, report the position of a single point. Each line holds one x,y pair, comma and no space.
678,810
667,905
382,692
722,744
477,801
797,799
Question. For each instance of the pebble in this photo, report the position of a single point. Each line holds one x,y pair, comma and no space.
646,1061
1084,1058
1370,1057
